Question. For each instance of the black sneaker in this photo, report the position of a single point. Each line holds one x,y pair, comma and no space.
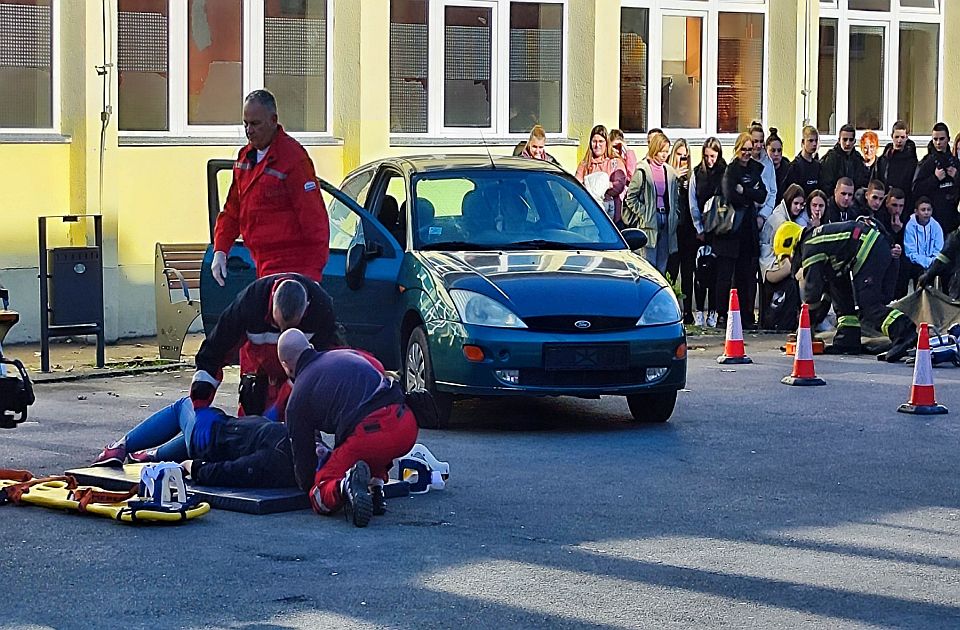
379,503
355,489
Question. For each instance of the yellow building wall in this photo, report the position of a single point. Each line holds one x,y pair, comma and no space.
158,193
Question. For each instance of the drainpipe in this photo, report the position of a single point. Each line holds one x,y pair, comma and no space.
104,71
806,63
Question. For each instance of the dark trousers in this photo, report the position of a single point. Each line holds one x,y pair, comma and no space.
684,262
741,273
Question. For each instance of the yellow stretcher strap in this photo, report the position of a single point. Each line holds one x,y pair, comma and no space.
892,317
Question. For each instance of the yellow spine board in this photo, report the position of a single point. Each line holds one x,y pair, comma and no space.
56,495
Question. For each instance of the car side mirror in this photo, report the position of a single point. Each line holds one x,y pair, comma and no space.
635,238
356,265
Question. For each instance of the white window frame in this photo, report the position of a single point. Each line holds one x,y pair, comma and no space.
252,16
890,21
710,11
54,78
499,72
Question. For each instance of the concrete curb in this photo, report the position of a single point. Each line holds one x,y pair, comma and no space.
107,372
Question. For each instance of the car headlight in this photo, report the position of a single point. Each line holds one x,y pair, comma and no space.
480,310
662,309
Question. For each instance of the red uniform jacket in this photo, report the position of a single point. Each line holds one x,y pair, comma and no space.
277,207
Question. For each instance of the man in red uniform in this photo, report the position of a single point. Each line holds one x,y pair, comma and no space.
274,200
342,392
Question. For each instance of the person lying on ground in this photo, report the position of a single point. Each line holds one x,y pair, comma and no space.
213,448
343,393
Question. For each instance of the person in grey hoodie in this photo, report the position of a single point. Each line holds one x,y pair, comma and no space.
769,175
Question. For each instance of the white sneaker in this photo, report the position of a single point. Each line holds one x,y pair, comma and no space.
698,318
712,319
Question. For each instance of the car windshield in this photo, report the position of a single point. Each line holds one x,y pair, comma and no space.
507,209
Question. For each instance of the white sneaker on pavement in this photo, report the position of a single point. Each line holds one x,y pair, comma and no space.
712,319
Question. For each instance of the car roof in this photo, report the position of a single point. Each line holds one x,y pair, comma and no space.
418,164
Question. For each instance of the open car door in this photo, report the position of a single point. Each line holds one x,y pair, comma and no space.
361,276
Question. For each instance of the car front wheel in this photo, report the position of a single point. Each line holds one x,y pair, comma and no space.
652,407
418,375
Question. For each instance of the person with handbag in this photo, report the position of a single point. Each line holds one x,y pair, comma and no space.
738,249
652,203
779,291
705,182
602,174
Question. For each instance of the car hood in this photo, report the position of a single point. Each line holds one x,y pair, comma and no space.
537,283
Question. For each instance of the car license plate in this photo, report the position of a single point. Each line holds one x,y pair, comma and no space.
581,356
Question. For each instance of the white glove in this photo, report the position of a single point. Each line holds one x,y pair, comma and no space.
219,267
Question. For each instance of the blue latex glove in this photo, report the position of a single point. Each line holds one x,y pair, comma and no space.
201,428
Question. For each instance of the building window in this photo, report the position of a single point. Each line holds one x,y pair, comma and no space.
867,46
536,66
184,67
502,64
827,78
634,43
893,48
409,48
681,64
694,66
26,64
739,71
295,61
919,75
142,57
467,52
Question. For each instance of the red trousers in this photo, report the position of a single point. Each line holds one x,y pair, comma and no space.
380,438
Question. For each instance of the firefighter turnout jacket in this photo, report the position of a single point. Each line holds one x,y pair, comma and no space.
849,262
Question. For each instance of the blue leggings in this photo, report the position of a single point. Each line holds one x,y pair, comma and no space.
170,429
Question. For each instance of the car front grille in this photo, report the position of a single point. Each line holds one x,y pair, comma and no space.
568,323
601,378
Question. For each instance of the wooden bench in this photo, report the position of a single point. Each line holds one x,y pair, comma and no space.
177,289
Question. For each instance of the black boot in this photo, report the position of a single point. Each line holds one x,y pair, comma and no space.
355,489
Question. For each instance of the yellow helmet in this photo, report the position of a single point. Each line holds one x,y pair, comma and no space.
786,238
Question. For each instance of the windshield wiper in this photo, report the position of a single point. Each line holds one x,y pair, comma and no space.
539,243
452,246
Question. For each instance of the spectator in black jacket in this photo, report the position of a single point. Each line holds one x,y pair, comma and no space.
805,168
738,251
843,160
891,221
253,322
841,207
214,449
898,164
937,178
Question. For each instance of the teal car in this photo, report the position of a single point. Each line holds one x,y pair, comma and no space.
479,276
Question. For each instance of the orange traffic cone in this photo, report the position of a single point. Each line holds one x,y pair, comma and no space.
733,347
923,400
803,372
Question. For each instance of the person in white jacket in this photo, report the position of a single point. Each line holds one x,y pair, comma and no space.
922,238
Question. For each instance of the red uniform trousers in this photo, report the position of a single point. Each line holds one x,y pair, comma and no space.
380,438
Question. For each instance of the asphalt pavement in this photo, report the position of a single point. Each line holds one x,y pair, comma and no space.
757,506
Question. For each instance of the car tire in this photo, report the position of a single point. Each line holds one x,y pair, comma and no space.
652,408
418,374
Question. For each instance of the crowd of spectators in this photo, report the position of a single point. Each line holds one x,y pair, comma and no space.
914,201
